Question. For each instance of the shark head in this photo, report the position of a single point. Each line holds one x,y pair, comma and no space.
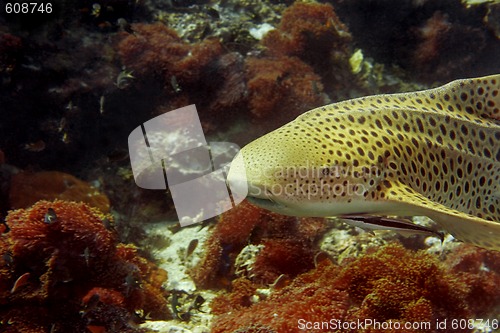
292,171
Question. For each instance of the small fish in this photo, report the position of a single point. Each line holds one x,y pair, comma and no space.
176,306
191,247
101,104
35,147
50,216
175,85
405,228
123,79
86,255
20,282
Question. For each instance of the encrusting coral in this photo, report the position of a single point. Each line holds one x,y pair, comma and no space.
389,285
62,262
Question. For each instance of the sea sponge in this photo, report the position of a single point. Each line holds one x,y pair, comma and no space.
63,260
26,188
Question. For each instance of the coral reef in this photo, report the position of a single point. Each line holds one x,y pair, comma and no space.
156,50
391,284
185,72
434,41
311,32
26,188
282,87
288,246
62,262
305,56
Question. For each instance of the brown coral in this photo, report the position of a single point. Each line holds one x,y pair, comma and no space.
63,260
26,188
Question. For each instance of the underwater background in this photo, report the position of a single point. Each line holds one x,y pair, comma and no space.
84,249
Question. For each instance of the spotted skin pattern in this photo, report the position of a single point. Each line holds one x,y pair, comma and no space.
434,152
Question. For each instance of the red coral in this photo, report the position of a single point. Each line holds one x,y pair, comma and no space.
309,49
26,188
155,51
391,284
308,298
289,245
73,266
309,31
282,87
440,47
198,73
480,269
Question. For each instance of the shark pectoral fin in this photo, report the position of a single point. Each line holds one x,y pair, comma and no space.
403,200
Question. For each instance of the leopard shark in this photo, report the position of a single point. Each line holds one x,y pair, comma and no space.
433,153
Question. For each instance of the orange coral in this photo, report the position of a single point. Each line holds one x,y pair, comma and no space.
73,266
26,188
